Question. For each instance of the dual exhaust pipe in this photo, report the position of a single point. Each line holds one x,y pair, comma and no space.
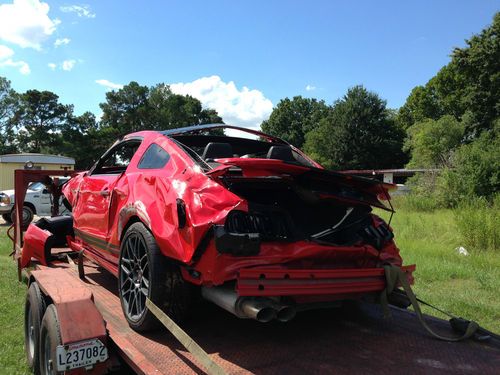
259,308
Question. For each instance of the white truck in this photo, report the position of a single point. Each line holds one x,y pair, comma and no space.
37,202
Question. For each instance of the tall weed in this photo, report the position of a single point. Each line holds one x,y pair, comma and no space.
478,223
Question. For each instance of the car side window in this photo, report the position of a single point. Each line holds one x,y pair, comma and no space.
118,159
155,157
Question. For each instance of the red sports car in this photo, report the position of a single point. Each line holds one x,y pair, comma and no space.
254,224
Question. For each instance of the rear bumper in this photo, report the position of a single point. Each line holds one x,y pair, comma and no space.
299,282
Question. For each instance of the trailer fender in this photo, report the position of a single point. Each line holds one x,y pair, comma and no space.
37,244
78,316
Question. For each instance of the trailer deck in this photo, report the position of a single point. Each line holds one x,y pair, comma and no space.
352,339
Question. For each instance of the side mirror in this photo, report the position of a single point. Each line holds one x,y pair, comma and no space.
45,191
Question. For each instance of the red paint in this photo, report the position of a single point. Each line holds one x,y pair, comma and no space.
103,206
35,240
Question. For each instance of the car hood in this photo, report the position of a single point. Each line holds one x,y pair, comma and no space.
320,182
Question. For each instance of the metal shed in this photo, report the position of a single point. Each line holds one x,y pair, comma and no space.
10,162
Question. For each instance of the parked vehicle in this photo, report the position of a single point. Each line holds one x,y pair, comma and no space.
37,202
258,227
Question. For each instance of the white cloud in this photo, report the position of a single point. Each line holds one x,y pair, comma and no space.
23,66
61,42
80,10
52,66
310,88
26,23
108,84
6,54
68,65
242,107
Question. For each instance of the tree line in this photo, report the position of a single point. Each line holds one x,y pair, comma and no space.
451,122
36,121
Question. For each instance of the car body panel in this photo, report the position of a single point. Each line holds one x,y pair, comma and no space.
104,205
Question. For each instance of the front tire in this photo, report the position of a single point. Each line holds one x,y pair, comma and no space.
27,216
145,272
34,310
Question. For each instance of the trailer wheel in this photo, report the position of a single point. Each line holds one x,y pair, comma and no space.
145,272
34,309
50,338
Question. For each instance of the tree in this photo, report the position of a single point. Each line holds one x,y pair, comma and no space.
432,141
126,110
38,118
170,111
8,101
135,107
293,119
358,133
469,84
81,139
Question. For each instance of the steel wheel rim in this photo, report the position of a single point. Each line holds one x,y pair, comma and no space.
134,276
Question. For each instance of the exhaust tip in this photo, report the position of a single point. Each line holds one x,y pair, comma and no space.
266,314
286,313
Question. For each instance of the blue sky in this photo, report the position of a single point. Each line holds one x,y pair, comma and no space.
240,57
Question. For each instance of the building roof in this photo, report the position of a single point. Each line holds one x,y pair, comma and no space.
36,158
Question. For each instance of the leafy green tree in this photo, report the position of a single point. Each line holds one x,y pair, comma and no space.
293,119
432,142
126,110
474,171
81,139
8,101
469,84
38,118
359,133
170,111
135,107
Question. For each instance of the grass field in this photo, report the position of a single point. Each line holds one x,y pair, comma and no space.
468,286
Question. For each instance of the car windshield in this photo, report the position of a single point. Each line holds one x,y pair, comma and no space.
36,186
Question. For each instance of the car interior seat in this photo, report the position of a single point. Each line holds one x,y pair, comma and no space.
281,153
217,150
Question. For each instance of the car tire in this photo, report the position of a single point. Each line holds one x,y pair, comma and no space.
27,214
7,218
145,272
50,339
34,309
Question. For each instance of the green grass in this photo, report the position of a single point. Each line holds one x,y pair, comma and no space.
465,285
12,294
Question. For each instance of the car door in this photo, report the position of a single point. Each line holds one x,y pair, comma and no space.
91,213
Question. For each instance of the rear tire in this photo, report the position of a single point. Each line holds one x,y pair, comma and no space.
34,309
7,218
50,338
145,272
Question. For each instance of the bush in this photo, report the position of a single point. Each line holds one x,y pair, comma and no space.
478,221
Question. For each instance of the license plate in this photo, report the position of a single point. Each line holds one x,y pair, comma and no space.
80,354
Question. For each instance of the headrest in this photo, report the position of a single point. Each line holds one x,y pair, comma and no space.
281,153
217,150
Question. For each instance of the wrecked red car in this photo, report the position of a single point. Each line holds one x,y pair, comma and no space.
254,225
